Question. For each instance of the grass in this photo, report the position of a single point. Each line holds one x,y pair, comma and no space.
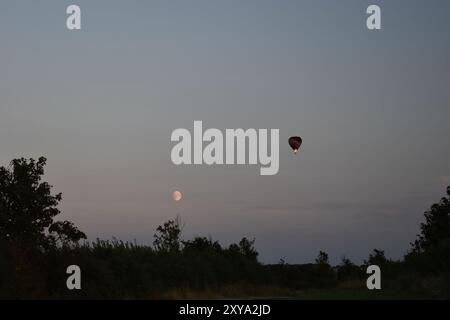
344,292
354,294
226,292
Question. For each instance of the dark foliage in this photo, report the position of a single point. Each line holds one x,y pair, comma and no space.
35,251
27,208
435,231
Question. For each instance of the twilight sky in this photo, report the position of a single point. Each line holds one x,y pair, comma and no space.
101,103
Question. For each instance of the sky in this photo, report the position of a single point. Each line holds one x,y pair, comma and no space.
101,103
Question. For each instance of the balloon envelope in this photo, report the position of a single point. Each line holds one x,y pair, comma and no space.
295,143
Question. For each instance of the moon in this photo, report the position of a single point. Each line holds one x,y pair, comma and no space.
176,195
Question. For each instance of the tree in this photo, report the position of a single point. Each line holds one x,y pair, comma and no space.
167,236
247,248
322,274
322,258
377,258
435,231
347,269
201,244
27,208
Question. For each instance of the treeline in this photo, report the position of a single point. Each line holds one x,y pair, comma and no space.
114,269
35,252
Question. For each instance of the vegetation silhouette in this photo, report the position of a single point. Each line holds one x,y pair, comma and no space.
35,251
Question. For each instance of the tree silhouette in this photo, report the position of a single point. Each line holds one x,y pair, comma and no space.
322,258
376,258
27,208
201,244
245,248
435,231
347,269
167,236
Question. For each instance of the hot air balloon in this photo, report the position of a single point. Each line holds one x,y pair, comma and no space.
295,143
